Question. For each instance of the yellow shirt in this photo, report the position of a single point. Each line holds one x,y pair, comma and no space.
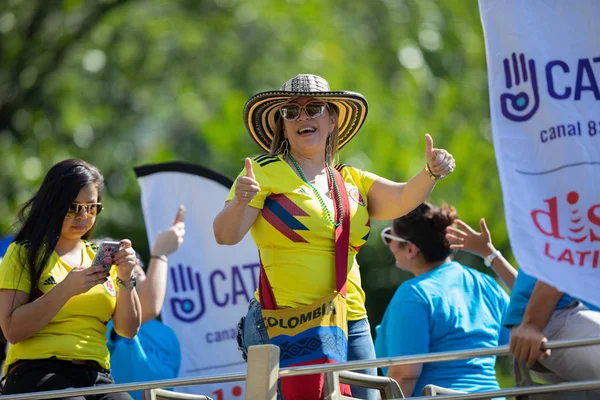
295,238
78,330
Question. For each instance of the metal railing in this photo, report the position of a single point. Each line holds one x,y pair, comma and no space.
263,373
559,387
424,358
127,387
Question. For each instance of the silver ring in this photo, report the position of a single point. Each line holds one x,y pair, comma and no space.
245,194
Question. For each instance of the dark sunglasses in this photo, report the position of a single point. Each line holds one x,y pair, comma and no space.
291,111
91,209
387,237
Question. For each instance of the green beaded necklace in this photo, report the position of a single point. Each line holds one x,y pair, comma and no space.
316,192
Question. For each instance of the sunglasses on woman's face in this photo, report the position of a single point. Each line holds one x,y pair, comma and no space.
387,237
292,111
91,209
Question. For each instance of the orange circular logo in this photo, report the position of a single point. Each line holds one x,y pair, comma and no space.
110,287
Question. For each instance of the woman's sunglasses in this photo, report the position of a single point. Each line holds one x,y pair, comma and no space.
387,237
91,209
291,111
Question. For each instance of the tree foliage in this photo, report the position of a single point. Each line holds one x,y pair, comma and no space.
122,83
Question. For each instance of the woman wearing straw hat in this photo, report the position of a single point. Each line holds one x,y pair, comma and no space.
287,200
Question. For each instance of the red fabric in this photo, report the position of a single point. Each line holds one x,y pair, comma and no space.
342,233
308,387
265,292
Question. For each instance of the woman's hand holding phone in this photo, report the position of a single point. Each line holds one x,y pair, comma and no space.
125,259
80,280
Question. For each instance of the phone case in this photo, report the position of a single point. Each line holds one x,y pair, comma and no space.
103,254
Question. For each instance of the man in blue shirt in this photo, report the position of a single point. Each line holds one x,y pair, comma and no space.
537,313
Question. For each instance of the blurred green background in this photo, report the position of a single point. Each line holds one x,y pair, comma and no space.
121,83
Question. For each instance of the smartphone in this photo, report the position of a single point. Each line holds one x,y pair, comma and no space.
103,254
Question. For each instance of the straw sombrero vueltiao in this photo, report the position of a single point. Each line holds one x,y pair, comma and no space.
262,110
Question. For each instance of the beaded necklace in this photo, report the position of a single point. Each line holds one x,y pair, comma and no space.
316,192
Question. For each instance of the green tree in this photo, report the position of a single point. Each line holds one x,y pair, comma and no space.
123,83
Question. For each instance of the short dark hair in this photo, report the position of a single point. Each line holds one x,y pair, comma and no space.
42,216
425,226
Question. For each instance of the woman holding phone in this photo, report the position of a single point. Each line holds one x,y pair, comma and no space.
54,304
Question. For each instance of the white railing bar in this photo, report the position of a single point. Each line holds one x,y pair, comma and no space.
127,387
423,358
559,387
293,371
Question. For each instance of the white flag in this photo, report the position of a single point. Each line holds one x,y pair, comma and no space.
543,60
209,286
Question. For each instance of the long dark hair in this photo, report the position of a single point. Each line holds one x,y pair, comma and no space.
425,226
42,216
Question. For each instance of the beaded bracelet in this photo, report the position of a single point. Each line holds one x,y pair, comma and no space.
162,258
433,176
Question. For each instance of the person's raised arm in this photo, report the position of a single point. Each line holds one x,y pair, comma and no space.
21,319
390,200
152,292
236,218
527,339
480,244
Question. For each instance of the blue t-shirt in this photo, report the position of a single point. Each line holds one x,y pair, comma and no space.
4,243
449,308
153,354
521,292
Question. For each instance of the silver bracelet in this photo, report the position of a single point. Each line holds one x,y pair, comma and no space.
130,284
488,260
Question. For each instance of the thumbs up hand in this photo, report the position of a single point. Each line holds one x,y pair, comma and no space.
439,161
246,186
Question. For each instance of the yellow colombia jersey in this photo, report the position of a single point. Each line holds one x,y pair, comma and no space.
78,330
295,238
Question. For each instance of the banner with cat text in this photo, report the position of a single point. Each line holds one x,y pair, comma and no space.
543,59
209,285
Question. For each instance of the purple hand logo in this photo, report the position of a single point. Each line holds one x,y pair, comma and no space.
189,305
522,80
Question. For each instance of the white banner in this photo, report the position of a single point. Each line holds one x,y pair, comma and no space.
209,285
543,60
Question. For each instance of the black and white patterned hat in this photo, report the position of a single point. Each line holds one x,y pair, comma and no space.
262,110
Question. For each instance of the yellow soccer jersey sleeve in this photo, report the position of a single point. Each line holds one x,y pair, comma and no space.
295,237
78,330
13,274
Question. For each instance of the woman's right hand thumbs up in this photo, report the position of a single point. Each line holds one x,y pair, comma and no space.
246,186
